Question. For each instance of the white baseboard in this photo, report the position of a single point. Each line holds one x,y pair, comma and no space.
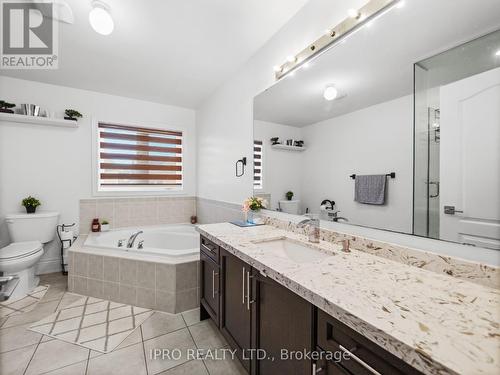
48,266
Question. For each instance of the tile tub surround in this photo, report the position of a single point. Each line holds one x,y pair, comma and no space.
463,269
436,323
212,211
129,212
171,288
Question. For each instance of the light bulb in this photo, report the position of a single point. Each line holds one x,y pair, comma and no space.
330,93
497,53
278,68
100,19
353,13
291,59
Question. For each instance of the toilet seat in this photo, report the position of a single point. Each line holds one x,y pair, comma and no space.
20,250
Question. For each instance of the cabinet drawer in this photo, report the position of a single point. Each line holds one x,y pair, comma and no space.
367,358
209,248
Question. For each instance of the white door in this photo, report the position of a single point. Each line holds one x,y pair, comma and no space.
470,160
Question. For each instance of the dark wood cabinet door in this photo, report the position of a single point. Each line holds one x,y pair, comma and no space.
323,367
209,288
235,314
283,321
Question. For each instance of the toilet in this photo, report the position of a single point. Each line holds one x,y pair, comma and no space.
289,207
28,233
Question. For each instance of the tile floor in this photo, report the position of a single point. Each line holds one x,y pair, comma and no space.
24,352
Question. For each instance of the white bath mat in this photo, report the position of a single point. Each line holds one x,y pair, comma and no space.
23,304
93,323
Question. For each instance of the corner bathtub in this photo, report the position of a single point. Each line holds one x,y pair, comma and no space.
163,275
176,243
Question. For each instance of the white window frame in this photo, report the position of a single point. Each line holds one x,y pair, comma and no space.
137,191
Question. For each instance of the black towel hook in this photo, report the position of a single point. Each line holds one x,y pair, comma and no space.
243,162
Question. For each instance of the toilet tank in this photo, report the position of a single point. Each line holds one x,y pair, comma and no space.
289,207
40,226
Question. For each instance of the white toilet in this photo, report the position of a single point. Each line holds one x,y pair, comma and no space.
28,233
289,207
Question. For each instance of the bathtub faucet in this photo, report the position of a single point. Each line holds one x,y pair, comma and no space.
131,240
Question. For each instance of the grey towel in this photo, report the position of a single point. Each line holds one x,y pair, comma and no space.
370,189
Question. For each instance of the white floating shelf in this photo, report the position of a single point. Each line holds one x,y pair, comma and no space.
288,148
13,117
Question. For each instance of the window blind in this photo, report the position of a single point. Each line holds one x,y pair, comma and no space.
139,157
257,164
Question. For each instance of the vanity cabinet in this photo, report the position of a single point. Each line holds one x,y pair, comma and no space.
255,312
209,280
235,305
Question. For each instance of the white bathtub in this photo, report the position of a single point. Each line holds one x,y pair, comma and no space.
171,241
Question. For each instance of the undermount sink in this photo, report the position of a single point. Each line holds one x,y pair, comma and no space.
292,250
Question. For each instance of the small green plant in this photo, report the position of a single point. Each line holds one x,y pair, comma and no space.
289,195
72,114
104,222
31,204
6,105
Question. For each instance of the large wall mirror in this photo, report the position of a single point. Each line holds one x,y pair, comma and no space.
396,127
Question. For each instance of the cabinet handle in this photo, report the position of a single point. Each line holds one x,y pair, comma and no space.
316,370
360,361
248,291
243,285
213,283
207,248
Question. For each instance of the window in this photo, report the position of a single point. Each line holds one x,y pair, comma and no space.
257,164
138,159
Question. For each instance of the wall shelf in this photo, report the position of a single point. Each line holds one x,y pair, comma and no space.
13,117
288,148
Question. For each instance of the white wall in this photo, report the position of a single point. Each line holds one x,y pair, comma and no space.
282,169
55,164
373,140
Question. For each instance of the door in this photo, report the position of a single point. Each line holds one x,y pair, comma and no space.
235,317
209,291
283,321
470,160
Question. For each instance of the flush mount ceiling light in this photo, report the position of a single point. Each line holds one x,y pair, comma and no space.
100,19
330,93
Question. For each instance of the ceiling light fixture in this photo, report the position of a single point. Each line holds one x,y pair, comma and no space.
291,59
100,18
330,93
277,68
353,13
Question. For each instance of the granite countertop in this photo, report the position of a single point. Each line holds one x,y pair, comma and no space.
437,323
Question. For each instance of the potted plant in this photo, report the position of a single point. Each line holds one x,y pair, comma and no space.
6,107
252,205
31,204
275,141
72,115
289,195
104,225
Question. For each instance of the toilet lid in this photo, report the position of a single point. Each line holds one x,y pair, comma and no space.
20,250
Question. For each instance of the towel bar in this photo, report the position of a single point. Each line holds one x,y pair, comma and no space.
391,175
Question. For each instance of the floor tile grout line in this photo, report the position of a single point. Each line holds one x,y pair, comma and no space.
195,344
32,355
144,348
88,363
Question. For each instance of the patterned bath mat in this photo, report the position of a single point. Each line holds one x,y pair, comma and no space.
23,304
93,323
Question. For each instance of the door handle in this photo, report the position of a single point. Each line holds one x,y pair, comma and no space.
248,290
243,285
451,210
213,283
360,361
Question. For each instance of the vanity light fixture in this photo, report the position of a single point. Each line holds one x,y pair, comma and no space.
277,68
330,93
336,34
100,18
354,13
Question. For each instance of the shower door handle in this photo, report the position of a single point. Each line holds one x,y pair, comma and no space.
450,210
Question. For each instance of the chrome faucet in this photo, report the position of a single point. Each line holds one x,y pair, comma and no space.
131,240
335,217
312,226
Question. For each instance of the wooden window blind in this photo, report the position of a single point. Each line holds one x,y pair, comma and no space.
257,164
136,157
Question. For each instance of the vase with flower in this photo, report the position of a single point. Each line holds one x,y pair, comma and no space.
251,206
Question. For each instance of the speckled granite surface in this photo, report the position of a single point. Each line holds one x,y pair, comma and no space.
472,271
436,323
